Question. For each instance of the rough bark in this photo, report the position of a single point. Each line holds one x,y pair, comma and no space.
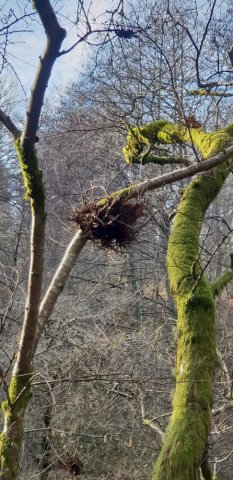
19,392
12,435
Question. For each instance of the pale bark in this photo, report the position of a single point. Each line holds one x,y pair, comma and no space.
19,392
25,354
58,282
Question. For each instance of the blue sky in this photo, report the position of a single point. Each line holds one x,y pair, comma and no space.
24,52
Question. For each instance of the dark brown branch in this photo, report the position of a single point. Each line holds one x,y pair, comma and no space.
230,54
126,33
17,19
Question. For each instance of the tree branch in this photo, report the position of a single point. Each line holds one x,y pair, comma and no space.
55,36
7,122
171,177
223,281
208,92
150,422
73,250
58,282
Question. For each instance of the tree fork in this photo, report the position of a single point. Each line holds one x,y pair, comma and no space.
185,442
187,434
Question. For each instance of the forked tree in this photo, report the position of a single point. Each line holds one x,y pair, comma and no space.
185,451
184,454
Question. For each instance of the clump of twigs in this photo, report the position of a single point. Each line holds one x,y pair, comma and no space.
111,224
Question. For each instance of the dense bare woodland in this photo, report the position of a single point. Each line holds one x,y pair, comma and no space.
116,310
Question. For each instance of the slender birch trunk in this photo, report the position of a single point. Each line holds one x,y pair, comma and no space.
19,393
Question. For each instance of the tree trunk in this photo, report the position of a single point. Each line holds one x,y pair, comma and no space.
184,453
185,443
18,394
12,435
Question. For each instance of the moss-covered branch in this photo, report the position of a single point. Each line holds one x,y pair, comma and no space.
186,438
165,132
161,160
187,435
223,281
209,93
148,156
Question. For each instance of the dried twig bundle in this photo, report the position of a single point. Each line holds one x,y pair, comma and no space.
112,224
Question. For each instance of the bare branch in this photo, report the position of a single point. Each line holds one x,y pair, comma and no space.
7,122
55,36
29,165
126,33
150,422
17,19
58,282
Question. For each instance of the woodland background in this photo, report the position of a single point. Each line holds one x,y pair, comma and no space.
103,388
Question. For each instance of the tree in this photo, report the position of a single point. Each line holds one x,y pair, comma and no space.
185,444
104,220
36,312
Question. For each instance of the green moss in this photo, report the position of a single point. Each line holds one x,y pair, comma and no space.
6,408
124,193
187,434
20,393
159,132
206,471
221,283
189,426
164,132
198,92
9,464
32,177
12,437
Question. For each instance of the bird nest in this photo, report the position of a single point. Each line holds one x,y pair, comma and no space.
111,224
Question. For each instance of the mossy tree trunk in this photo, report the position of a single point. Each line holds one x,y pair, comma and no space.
19,390
18,393
184,452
